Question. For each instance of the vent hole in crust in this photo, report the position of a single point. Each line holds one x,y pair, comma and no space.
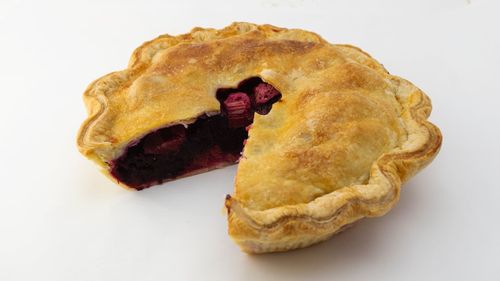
208,143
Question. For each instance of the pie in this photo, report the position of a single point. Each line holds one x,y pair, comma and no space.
323,134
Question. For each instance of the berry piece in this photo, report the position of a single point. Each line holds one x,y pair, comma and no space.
238,109
265,93
170,141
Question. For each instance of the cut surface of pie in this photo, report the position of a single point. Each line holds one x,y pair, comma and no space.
211,141
323,134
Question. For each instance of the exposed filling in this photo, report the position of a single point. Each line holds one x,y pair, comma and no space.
208,143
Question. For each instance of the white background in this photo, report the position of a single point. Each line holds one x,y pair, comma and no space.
60,219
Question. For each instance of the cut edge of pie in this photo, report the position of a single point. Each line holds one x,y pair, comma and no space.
285,227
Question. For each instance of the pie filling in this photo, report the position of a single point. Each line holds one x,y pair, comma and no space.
208,143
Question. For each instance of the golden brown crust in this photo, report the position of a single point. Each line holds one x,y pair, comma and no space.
172,80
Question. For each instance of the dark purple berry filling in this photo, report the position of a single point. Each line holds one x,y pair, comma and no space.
208,143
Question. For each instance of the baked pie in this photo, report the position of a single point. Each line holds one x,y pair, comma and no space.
323,134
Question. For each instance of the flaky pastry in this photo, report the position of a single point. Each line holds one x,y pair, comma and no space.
326,135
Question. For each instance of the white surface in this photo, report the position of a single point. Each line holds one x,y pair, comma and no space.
62,220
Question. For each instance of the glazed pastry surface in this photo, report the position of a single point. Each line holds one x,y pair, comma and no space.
335,148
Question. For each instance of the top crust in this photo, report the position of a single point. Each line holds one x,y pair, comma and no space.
335,149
